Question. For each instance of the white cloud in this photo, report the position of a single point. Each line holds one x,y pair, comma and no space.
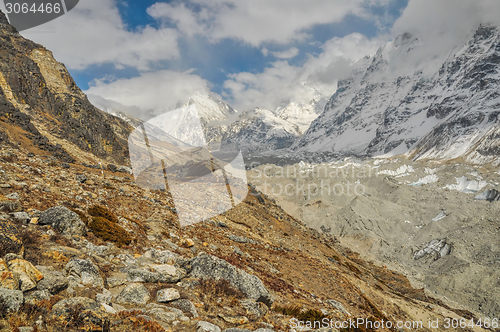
257,21
282,82
288,54
94,33
443,25
153,92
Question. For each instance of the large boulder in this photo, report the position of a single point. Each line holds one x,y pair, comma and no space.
83,271
134,294
208,266
10,241
89,312
64,220
12,299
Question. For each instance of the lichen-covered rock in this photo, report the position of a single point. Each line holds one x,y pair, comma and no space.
12,299
28,275
134,294
38,296
91,314
186,306
208,266
7,205
10,241
254,309
53,281
7,279
64,220
83,271
167,295
203,326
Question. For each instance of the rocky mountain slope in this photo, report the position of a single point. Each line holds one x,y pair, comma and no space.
436,223
434,110
43,109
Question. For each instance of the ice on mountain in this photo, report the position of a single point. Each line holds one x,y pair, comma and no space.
488,195
426,180
440,216
467,186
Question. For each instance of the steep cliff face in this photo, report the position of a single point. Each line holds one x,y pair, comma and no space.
40,105
447,110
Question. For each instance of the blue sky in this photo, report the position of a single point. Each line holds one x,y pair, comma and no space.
214,61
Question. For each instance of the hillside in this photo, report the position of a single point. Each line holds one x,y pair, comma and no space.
43,110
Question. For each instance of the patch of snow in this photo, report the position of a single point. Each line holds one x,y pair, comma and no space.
401,171
426,180
439,216
467,186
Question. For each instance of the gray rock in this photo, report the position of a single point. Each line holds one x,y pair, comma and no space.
263,330
238,251
337,305
161,256
240,239
234,329
25,329
38,296
162,314
10,206
21,217
13,196
82,178
124,169
186,306
208,266
139,275
203,326
256,309
134,294
83,271
115,282
12,299
62,309
489,195
104,297
167,295
64,220
53,281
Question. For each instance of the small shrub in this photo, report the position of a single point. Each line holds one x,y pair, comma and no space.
60,239
288,310
219,288
103,212
109,231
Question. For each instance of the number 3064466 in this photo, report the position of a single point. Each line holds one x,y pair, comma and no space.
25,8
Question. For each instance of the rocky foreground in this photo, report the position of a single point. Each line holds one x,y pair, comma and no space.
87,249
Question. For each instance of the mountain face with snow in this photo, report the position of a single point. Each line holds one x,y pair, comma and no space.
449,110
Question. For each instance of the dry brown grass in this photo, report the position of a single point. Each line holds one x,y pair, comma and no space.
219,288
